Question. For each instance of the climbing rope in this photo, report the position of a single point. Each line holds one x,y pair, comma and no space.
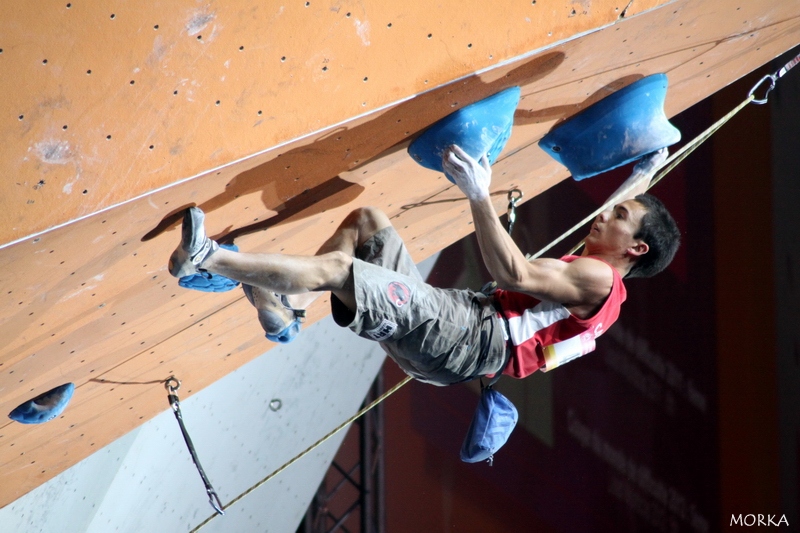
514,196
310,448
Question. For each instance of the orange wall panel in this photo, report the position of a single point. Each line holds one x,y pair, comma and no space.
107,101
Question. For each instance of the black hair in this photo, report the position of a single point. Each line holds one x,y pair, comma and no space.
659,230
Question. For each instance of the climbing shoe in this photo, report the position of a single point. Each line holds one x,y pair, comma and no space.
195,246
280,321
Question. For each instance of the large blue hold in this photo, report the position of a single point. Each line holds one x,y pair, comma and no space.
480,128
618,129
44,407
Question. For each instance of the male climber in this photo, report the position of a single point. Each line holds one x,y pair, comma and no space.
544,313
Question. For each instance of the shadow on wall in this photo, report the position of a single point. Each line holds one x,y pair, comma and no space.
563,112
301,179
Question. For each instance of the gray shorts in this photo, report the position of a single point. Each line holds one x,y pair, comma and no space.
440,336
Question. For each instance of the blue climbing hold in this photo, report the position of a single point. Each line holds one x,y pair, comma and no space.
480,128
44,407
618,129
207,282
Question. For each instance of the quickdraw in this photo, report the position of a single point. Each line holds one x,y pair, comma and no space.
772,79
172,384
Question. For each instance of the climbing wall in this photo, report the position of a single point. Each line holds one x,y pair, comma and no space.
112,100
277,119
244,427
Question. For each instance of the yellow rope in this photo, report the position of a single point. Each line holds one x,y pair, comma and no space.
309,449
664,169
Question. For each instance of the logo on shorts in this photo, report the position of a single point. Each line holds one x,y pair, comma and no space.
399,293
384,330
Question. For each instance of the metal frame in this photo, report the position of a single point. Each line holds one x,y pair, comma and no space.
366,476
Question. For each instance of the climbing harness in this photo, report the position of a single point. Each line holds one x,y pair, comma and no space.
172,385
514,195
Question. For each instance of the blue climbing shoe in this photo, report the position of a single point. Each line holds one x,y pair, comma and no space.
208,282
280,321
195,246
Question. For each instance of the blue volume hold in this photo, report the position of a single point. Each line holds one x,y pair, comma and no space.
618,129
44,407
480,128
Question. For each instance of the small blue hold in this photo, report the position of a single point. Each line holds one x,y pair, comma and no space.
480,128
207,282
44,407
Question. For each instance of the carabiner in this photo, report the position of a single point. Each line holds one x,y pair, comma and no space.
214,500
772,79
168,384
512,207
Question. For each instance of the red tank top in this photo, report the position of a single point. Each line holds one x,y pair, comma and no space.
545,335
